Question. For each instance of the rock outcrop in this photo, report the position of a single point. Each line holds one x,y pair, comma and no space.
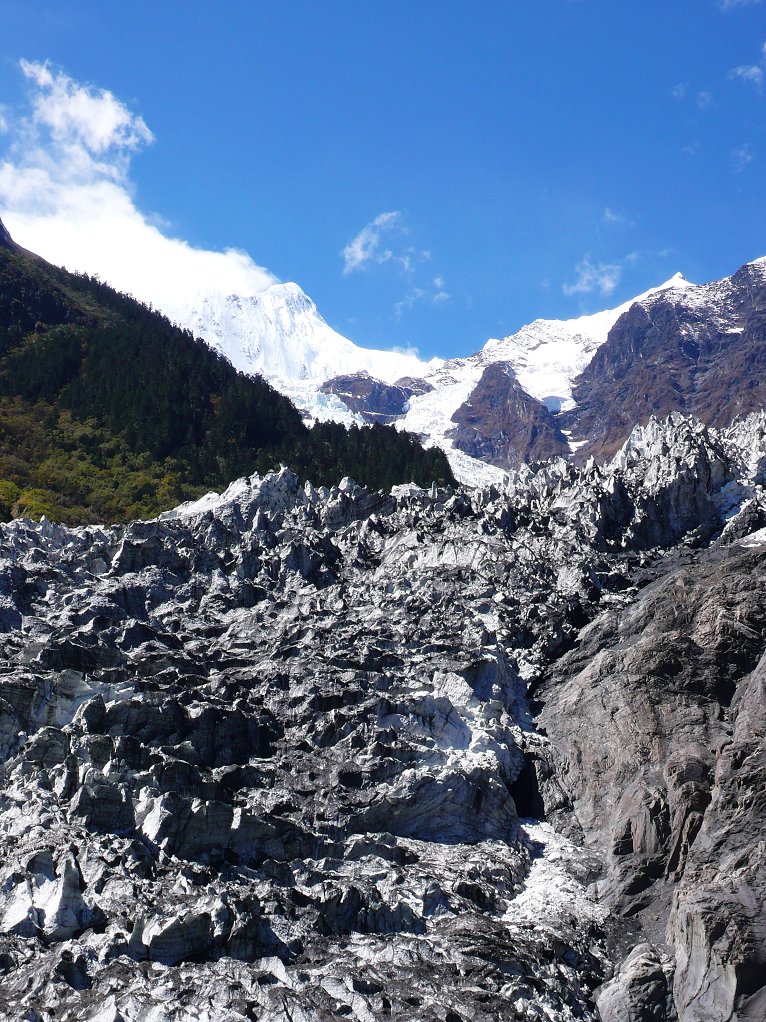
373,400
273,755
502,425
657,722
699,350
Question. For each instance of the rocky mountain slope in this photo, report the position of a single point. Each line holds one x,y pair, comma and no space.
280,334
569,388
500,405
298,754
700,350
576,388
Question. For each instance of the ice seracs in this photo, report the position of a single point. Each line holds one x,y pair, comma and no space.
273,755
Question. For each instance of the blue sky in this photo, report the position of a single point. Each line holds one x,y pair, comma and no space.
432,174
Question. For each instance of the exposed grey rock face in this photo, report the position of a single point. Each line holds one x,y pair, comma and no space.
374,400
686,349
718,918
640,989
272,756
502,425
657,719
697,350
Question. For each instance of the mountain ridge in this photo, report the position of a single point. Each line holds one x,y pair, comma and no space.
700,351
554,407
457,403
279,333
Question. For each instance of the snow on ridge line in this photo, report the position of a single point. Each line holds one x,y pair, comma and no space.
280,334
548,354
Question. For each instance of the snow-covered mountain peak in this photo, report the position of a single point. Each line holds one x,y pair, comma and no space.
289,291
280,334
463,405
548,354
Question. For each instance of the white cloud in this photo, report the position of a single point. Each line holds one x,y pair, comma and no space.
748,73
407,349
591,277
76,114
730,5
413,295
434,293
704,98
65,193
367,246
741,158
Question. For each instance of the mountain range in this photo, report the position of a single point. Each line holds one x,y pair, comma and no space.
570,388
554,388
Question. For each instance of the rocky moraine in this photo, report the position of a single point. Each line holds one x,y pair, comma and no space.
290,754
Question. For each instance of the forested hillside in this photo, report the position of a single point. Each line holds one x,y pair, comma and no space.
109,411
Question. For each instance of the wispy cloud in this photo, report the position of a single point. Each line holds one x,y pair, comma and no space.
412,296
741,158
750,73
683,91
407,349
591,278
384,241
65,192
433,292
367,247
439,293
